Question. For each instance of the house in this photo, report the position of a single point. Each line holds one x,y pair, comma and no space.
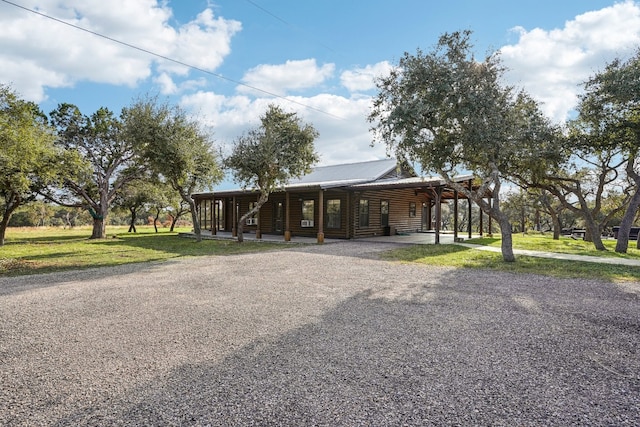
347,201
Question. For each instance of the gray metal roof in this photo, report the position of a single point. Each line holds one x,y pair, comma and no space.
345,174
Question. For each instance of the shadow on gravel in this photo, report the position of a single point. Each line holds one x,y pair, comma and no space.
467,351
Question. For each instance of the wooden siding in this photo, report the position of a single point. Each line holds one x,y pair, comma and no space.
399,219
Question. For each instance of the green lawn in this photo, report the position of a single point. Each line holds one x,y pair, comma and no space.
460,256
42,250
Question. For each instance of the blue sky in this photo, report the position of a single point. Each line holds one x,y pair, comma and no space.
322,54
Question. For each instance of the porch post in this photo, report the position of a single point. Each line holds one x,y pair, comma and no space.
234,218
258,231
455,215
490,200
469,208
438,212
321,216
214,223
287,231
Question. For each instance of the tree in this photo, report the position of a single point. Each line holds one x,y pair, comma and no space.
100,162
448,112
177,150
28,158
268,156
609,113
133,198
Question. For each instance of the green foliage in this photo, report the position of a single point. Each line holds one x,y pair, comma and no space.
268,156
28,159
449,112
99,158
175,147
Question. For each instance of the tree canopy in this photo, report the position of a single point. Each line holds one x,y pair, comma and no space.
99,160
177,150
28,159
450,113
266,157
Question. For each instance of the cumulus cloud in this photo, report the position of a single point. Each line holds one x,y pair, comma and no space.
363,79
340,121
551,64
280,79
55,55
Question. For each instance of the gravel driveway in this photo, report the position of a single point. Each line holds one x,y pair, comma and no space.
320,335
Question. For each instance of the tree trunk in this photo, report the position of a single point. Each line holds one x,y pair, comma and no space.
507,239
132,224
557,227
593,232
174,219
99,231
6,216
239,227
155,220
3,226
627,221
194,218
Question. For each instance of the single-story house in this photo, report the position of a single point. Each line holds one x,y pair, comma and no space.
348,201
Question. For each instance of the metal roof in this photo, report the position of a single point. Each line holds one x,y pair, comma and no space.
345,174
372,175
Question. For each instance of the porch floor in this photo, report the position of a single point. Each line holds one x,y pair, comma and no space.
423,238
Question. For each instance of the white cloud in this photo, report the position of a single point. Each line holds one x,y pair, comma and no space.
51,54
363,79
281,78
551,65
344,134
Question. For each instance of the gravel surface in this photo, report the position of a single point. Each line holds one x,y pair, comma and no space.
321,335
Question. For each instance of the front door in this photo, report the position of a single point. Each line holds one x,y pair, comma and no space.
278,217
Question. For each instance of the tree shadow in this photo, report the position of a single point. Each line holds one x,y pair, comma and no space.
462,351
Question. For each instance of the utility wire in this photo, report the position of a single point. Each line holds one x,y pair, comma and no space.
293,27
166,58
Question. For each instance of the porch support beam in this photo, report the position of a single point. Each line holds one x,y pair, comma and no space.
455,215
469,208
234,218
438,212
321,216
287,230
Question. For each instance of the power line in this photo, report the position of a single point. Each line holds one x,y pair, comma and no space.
175,61
273,15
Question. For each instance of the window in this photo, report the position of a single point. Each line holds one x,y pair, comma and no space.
384,213
412,209
307,213
333,213
364,212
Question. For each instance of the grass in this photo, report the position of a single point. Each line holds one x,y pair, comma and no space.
566,245
463,257
44,250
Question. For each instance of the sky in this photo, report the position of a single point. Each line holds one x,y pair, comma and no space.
225,61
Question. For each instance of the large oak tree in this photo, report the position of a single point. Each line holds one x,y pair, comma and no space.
450,113
100,161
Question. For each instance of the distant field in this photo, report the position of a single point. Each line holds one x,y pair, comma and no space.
46,249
